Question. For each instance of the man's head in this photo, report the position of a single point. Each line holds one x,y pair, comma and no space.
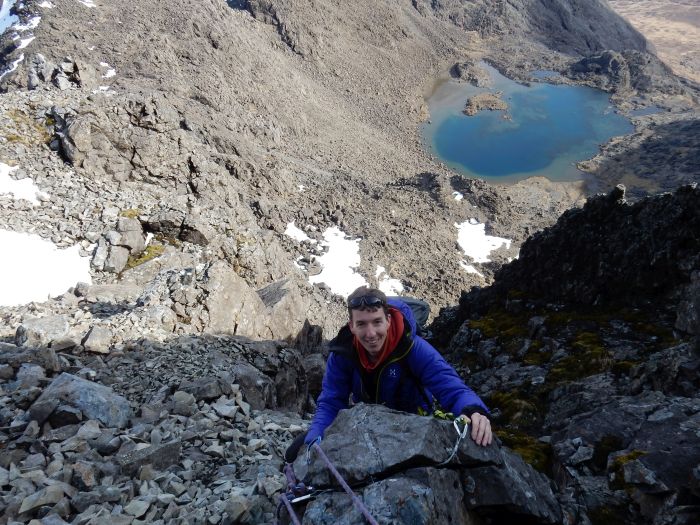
369,318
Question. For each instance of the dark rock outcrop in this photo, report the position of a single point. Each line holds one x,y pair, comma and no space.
392,453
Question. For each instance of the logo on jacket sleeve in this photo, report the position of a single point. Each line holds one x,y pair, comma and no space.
394,372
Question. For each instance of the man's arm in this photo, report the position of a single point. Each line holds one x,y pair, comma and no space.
452,393
335,392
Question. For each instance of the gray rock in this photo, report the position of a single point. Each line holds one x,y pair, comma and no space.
688,313
234,308
98,340
158,456
95,401
101,253
46,496
206,388
42,331
184,404
368,440
420,496
117,259
257,388
514,487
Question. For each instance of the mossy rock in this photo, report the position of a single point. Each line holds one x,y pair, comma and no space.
588,357
533,451
516,409
615,468
152,251
607,515
501,325
131,213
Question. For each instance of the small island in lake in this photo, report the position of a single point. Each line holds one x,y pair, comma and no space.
490,101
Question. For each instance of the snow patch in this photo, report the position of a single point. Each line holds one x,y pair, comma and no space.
473,240
25,42
87,3
46,5
296,233
37,269
457,195
19,189
12,67
339,263
386,284
470,269
29,26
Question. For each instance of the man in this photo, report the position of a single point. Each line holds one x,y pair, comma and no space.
378,358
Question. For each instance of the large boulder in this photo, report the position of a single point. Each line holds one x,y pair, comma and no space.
95,401
421,482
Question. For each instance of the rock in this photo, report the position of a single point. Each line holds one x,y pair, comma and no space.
514,487
418,496
184,403
488,101
95,401
46,496
315,367
206,388
158,456
98,340
368,440
688,313
233,307
117,259
256,387
610,66
41,332
112,293
137,508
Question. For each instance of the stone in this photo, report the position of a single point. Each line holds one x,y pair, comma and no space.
184,404
257,388
234,308
117,259
158,456
98,340
42,331
137,508
369,440
95,401
418,496
206,388
46,496
515,486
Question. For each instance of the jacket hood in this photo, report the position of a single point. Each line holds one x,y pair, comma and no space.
407,313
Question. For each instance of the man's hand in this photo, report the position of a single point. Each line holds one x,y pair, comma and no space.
481,429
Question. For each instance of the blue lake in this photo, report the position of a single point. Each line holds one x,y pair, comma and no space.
545,131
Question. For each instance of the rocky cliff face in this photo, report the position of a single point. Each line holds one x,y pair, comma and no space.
587,347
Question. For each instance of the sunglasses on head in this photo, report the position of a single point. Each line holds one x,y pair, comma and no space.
371,301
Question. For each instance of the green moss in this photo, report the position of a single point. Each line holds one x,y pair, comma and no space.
535,355
152,251
618,480
516,409
588,357
501,324
131,213
534,452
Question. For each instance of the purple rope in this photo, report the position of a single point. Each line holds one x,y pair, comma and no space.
290,510
358,503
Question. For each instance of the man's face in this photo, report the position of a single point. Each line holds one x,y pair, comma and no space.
370,327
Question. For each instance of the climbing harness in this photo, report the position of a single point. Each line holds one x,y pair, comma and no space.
298,492
461,434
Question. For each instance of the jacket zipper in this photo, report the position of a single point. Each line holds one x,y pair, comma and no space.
379,377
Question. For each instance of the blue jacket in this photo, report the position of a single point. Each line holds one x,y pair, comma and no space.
413,376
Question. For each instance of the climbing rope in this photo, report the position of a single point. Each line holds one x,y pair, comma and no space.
461,434
356,501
